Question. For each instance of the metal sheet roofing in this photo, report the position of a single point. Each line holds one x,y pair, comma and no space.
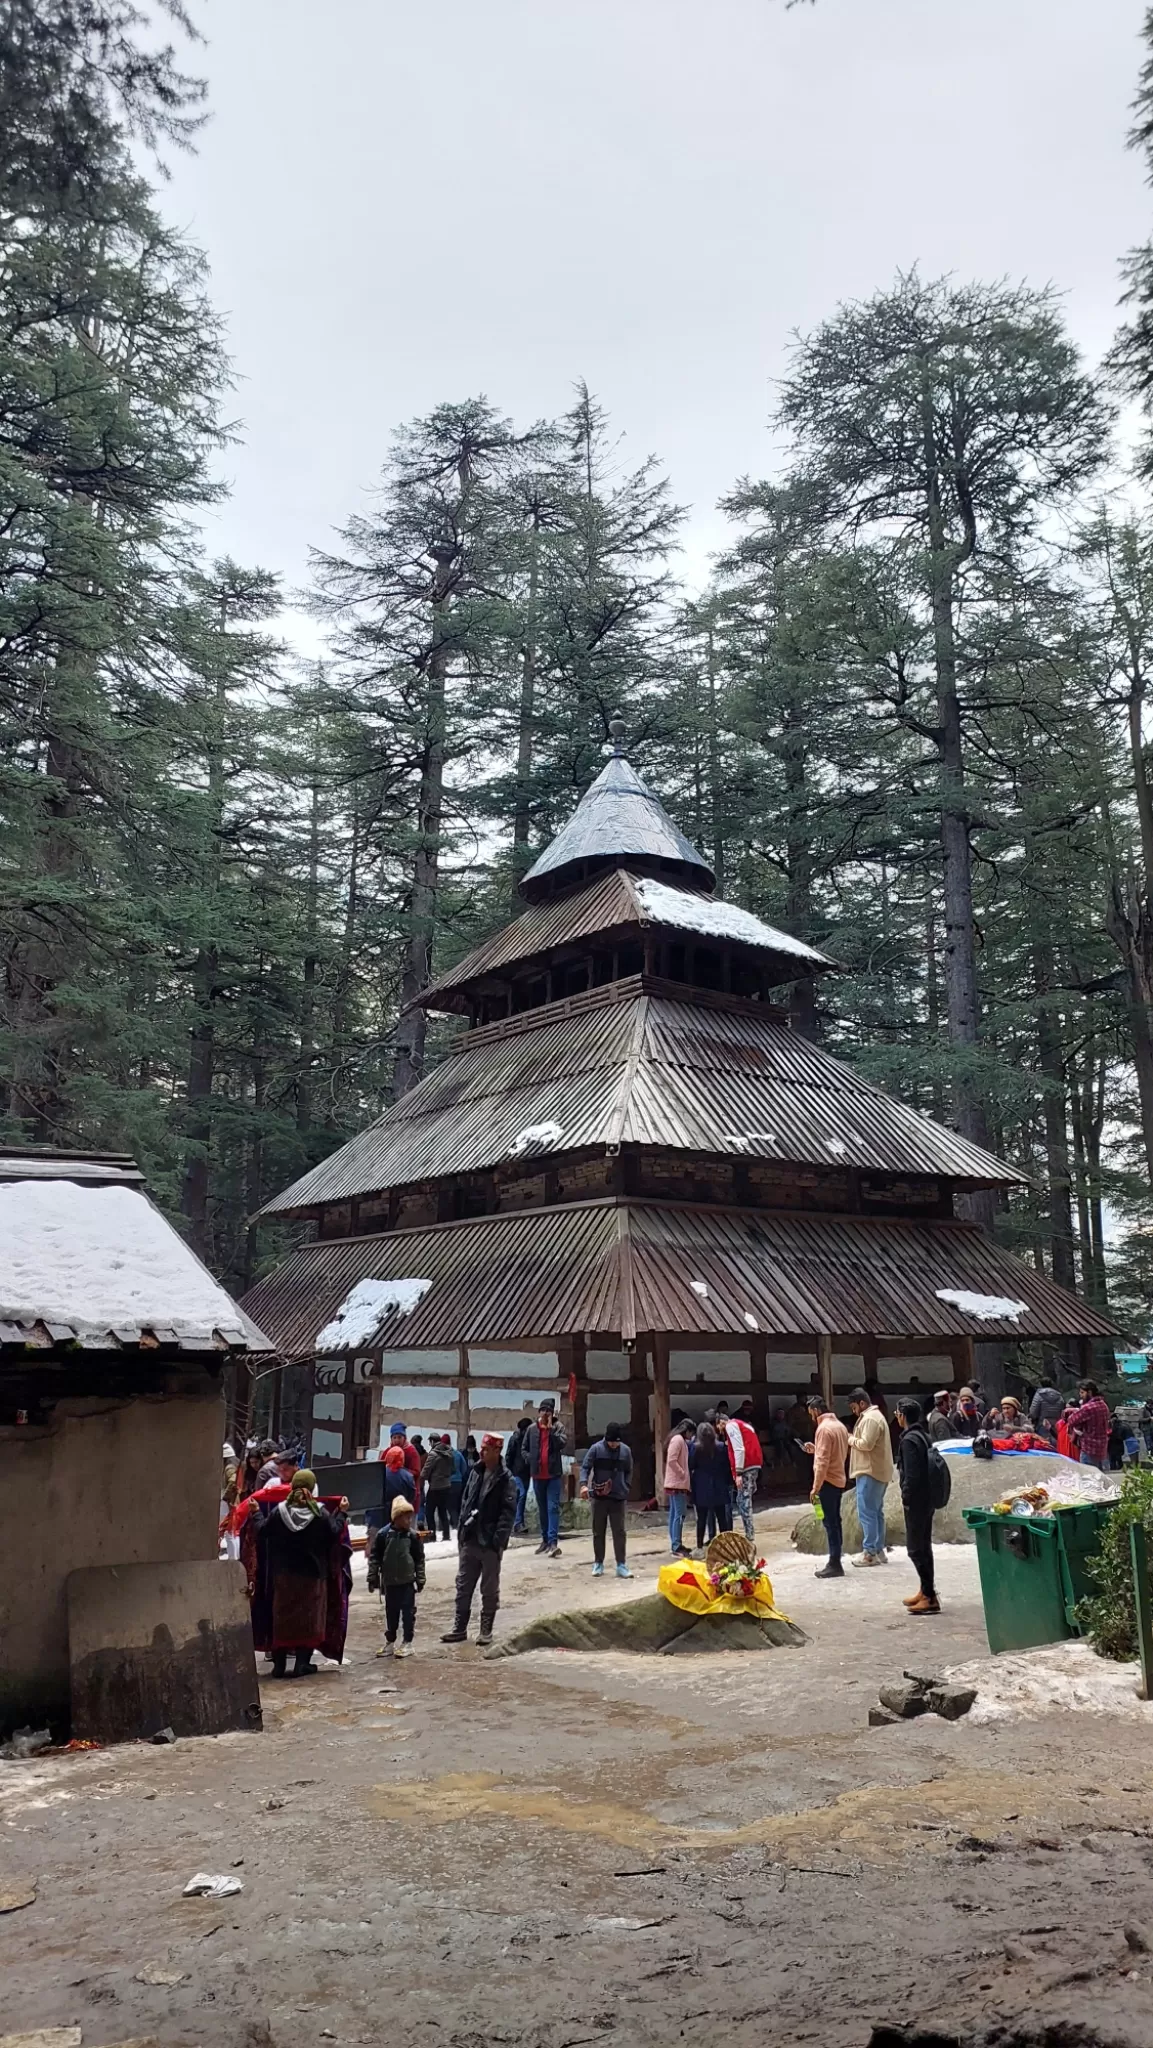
649,1071
617,816
620,903
623,1268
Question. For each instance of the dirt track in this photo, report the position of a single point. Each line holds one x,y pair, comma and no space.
561,1849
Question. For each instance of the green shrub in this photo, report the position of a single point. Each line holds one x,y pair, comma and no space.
1109,1617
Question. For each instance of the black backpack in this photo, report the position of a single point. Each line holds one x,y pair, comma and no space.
940,1479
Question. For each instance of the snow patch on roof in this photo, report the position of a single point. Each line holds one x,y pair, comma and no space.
364,1309
751,1320
700,1287
717,920
987,1308
536,1138
103,1259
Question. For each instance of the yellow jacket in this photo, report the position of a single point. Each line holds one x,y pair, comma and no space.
871,1447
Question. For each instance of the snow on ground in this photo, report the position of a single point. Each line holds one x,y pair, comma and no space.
102,1259
364,1309
1067,1677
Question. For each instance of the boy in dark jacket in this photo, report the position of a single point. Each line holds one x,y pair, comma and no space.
917,1500
398,1558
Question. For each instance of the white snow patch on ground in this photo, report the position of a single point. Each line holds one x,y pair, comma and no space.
1058,1677
364,1309
687,912
102,1259
536,1138
988,1308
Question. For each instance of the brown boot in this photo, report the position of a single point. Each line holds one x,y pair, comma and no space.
911,1599
924,1604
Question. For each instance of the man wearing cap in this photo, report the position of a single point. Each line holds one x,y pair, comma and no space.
605,1476
544,1445
942,1425
487,1511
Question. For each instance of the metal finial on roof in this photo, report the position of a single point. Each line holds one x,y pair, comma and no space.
617,731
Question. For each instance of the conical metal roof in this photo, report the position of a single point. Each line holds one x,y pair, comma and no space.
617,820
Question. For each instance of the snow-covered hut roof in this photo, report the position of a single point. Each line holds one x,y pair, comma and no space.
98,1266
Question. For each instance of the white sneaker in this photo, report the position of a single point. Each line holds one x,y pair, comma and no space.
387,1650
403,1650
880,1557
861,1563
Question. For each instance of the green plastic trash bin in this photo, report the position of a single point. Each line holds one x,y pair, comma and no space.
1079,1532
1022,1587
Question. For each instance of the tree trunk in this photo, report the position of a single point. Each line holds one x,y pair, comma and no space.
1055,1121
412,1028
799,860
962,995
526,727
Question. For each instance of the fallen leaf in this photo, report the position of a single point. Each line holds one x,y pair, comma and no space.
155,1973
11,1902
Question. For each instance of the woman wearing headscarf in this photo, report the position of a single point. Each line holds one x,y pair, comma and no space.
300,1601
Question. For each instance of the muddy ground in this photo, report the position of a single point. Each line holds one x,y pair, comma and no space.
565,1849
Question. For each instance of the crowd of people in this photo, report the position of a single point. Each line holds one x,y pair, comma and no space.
296,1547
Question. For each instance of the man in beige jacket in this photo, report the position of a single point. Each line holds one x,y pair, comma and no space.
871,1467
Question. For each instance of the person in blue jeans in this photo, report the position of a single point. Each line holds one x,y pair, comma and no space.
545,1443
516,1462
605,1476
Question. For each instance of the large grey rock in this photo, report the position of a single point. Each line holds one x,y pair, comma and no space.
977,1483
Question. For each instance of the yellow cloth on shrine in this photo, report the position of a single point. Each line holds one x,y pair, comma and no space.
688,1585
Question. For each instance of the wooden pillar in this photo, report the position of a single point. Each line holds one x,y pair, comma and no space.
662,1412
578,1354
825,1369
640,1428
463,1416
759,1385
870,1359
962,1354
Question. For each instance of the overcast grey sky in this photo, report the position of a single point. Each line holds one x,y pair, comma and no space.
404,203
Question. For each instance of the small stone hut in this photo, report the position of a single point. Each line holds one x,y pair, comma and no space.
114,1340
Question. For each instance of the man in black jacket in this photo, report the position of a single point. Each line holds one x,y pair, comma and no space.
913,1464
487,1508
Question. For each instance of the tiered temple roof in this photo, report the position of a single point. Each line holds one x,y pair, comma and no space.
630,1143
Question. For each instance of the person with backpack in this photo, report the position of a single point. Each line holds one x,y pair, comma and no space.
925,1486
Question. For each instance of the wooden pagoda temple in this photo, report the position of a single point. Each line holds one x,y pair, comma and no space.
632,1184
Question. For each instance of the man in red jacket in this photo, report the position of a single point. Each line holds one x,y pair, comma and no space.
745,1457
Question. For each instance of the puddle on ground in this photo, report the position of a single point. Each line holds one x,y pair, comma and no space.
871,1821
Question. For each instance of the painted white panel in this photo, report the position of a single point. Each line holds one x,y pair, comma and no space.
394,1362
330,1372
504,1397
848,1369
529,1365
328,1407
605,1408
718,1368
327,1443
790,1368
930,1372
607,1365
395,1400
